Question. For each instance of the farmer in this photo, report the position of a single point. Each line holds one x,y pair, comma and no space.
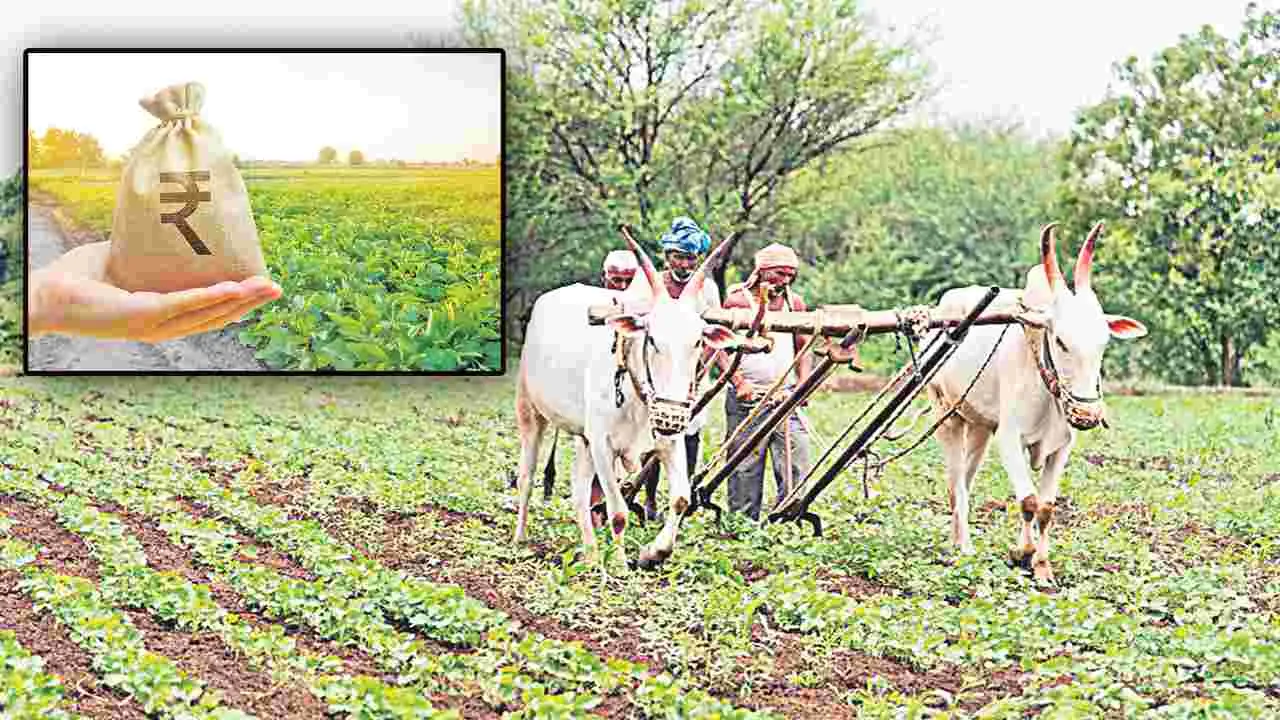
775,269
683,248
73,296
619,268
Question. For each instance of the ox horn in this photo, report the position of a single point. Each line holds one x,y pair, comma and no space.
1084,263
650,272
1049,255
694,286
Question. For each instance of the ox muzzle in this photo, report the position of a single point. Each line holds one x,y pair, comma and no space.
669,417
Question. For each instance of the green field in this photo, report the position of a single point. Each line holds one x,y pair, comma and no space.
382,268
362,520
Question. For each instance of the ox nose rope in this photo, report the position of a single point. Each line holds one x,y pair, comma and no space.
1083,413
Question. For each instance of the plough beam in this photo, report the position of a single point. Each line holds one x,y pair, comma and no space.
796,507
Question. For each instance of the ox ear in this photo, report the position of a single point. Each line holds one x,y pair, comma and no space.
1125,328
719,337
627,325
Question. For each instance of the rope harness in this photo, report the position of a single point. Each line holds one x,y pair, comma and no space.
1083,413
666,416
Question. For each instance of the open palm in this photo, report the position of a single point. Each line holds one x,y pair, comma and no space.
74,296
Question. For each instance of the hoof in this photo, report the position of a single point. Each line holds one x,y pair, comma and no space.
1044,573
1021,556
650,560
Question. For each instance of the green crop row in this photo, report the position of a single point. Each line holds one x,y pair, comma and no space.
27,692
128,581
115,644
387,271
361,588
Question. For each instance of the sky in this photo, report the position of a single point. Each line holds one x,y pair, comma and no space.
284,106
1035,63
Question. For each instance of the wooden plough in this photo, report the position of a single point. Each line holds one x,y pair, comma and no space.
841,328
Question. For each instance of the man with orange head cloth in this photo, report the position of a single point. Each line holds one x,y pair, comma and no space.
770,281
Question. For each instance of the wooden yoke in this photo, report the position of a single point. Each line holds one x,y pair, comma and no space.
833,320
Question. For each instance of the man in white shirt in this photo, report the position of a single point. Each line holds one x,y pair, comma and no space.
775,269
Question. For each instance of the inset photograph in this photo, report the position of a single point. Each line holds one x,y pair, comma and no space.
289,211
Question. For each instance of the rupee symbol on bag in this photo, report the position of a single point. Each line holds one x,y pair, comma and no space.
192,195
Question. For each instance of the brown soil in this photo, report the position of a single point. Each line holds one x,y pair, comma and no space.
164,556
205,656
57,548
41,634
853,586
847,670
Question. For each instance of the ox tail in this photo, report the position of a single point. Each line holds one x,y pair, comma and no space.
549,472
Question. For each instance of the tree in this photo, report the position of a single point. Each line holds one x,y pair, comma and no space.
66,148
930,209
35,151
637,111
355,158
328,155
1181,163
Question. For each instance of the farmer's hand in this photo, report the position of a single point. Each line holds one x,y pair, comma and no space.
746,391
73,296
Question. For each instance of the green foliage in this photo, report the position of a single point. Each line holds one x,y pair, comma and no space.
11,219
1181,162
925,211
381,269
328,155
1164,544
640,111
27,692
60,148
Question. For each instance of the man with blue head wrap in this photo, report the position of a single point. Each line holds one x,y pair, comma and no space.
683,248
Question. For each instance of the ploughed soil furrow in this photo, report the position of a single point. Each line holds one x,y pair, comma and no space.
58,548
164,556
40,633
850,670
264,554
202,655
205,656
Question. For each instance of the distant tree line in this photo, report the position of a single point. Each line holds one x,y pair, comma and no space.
781,122
59,148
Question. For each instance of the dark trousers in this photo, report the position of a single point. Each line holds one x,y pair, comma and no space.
746,484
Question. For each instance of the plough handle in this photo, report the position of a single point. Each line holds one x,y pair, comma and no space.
771,421
795,510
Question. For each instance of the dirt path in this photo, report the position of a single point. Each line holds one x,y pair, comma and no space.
217,350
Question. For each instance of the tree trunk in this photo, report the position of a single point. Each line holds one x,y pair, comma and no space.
1230,368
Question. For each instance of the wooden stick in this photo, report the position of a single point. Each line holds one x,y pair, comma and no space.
837,320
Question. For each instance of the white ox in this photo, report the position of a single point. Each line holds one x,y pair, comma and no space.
1013,400
567,379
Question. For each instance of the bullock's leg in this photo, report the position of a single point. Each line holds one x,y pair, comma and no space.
583,498
976,439
950,435
678,483
1009,440
531,426
549,472
648,480
614,503
1053,467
